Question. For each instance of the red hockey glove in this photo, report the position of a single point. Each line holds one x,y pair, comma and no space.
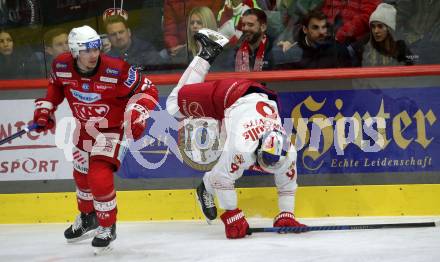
236,225
286,219
138,120
43,115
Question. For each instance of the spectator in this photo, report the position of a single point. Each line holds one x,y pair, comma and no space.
349,18
55,43
315,47
175,14
419,23
253,53
291,15
229,18
17,62
6,43
198,18
126,46
382,49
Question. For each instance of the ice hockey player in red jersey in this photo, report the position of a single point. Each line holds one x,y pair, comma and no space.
111,102
255,137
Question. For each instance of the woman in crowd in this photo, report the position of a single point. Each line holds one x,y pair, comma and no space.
382,49
198,18
202,17
14,62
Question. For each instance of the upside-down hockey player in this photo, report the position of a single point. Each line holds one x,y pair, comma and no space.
255,136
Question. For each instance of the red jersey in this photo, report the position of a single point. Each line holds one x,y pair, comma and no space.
211,99
101,94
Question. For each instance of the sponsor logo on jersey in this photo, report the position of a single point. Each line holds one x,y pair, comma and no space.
291,173
108,79
60,65
88,112
63,74
112,71
85,86
81,161
86,97
236,163
106,145
99,86
132,76
72,83
267,110
255,128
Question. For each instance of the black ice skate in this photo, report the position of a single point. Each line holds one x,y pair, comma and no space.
104,236
211,43
83,228
207,204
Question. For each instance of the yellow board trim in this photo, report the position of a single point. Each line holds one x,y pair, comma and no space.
316,201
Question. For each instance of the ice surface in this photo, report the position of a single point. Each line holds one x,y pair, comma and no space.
198,241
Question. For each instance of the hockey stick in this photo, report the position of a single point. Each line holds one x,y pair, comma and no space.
19,133
340,227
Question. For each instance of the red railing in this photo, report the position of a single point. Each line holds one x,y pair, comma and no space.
268,76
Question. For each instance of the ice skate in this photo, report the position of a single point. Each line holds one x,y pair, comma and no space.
83,228
102,241
211,43
206,201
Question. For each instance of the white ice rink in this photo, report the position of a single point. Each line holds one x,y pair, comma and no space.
196,241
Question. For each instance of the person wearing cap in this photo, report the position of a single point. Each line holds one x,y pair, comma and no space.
382,49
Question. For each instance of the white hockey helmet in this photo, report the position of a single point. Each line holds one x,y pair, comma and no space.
272,151
83,38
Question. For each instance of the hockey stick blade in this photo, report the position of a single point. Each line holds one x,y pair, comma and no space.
339,227
19,133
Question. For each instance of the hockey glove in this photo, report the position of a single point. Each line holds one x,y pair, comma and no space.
236,225
44,115
138,119
286,219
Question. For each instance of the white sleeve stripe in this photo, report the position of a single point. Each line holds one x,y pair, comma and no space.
44,104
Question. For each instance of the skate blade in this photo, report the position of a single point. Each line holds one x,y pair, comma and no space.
87,235
99,251
209,221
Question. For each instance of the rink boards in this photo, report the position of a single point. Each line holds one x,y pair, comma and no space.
403,180
316,201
